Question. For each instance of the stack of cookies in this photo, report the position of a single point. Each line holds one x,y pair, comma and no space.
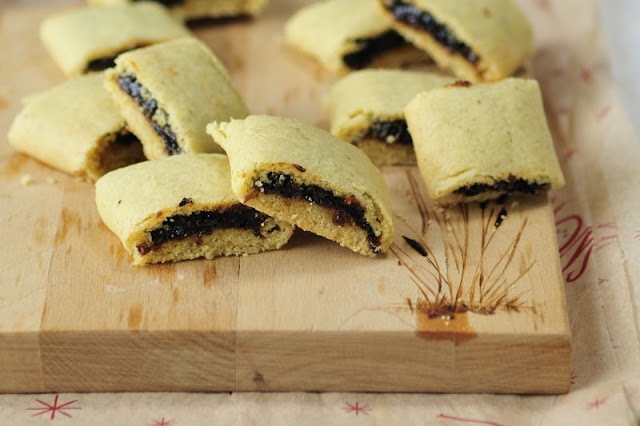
476,135
184,170
143,88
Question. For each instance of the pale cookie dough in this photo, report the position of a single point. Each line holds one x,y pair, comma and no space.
304,175
76,128
181,208
89,38
479,40
344,35
199,9
168,93
366,108
477,142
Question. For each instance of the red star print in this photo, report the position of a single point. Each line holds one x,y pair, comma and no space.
53,409
603,112
597,403
558,73
544,5
586,73
357,408
603,280
162,422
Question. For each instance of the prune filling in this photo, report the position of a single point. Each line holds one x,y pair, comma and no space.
104,62
167,3
100,64
395,131
346,210
512,184
424,21
203,223
125,139
369,48
133,88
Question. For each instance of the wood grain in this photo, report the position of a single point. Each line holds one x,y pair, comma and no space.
484,311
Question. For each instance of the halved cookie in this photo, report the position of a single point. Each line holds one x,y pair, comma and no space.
477,142
168,93
198,9
366,108
89,38
76,128
182,208
303,175
479,40
344,35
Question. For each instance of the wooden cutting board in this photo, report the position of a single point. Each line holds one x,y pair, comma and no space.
484,311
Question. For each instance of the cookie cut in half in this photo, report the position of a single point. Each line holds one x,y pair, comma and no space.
89,38
477,142
167,94
76,128
304,175
479,40
366,108
345,35
184,208
200,9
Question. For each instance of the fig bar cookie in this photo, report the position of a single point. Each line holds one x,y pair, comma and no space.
366,108
198,9
89,38
303,175
183,208
168,93
477,142
479,40
76,128
345,35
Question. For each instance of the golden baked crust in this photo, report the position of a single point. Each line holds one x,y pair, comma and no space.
470,138
197,9
365,97
188,86
76,38
329,30
135,201
74,127
496,30
263,148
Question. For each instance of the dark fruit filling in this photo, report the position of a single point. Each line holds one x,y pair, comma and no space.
411,15
125,139
346,210
203,223
513,184
396,129
130,85
100,64
369,48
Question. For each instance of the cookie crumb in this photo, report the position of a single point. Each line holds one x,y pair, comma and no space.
52,180
180,277
26,180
